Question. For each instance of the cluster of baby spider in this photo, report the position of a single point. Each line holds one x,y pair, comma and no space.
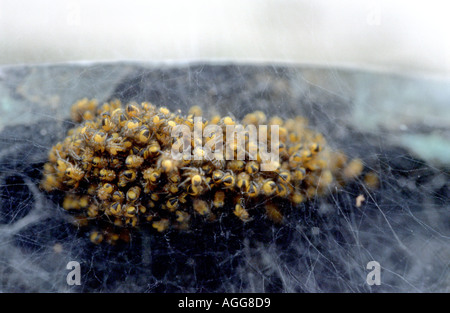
117,170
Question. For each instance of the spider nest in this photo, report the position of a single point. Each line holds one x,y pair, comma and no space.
118,171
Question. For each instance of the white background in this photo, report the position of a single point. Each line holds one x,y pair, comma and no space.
400,36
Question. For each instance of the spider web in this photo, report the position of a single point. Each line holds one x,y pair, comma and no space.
324,245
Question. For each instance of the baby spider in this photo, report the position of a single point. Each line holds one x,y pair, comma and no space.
201,207
132,110
105,191
107,174
152,150
219,199
107,124
196,177
241,212
166,163
74,172
134,161
274,213
131,127
142,135
152,175
268,187
98,141
119,117
236,165
161,225
126,177
133,193
99,161
229,180
243,182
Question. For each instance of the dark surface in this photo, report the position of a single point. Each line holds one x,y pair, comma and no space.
403,225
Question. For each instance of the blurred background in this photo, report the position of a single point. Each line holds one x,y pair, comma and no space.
391,121
397,36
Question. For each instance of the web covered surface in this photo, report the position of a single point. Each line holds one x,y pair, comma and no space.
324,245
